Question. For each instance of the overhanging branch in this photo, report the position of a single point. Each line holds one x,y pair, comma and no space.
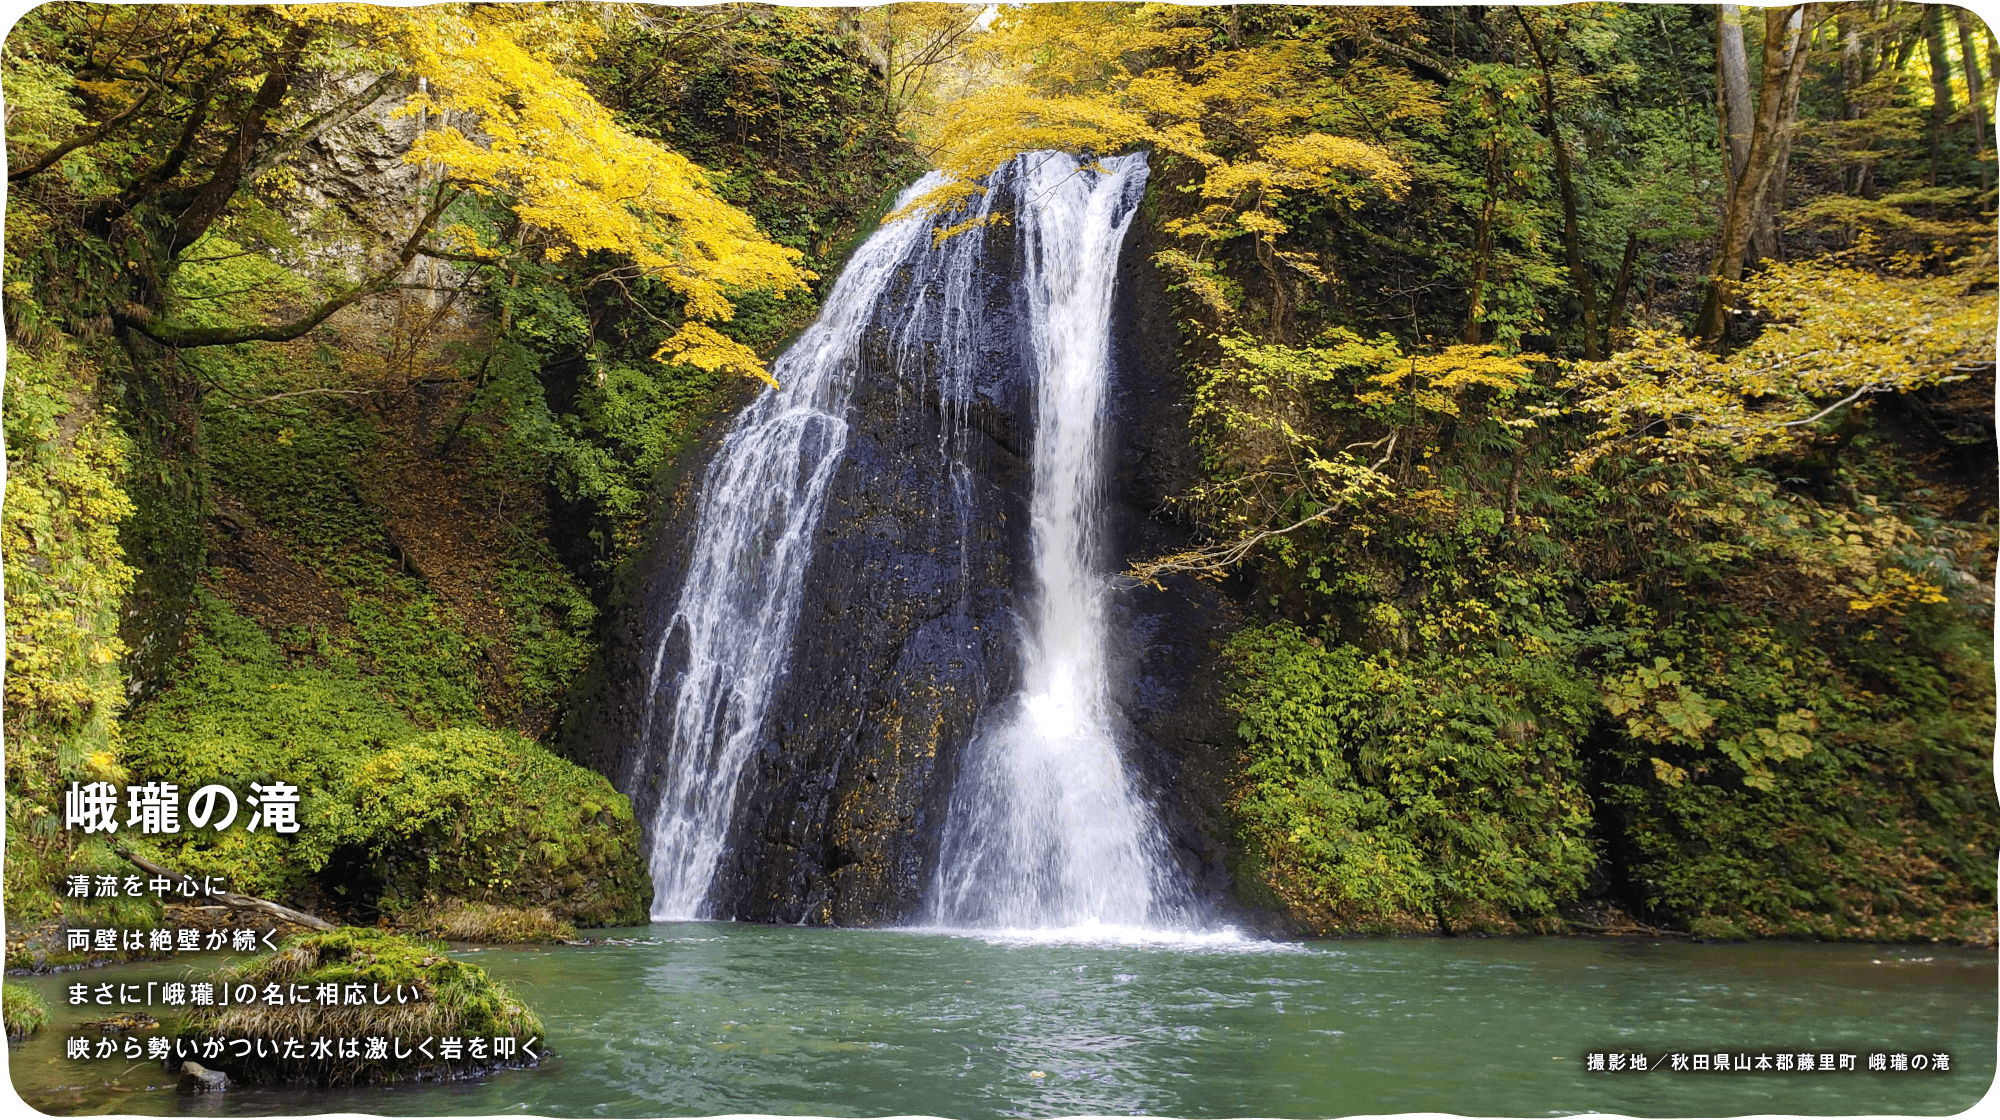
141,319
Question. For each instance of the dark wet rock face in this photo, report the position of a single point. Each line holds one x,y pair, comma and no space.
1167,674
905,630
907,625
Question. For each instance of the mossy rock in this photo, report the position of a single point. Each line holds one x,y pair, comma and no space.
391,817
455,1000
483,923
23,1010
491,817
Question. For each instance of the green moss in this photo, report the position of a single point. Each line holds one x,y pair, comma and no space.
410,643
1391,794
240,713
494,818
454,999
459,813
22,1009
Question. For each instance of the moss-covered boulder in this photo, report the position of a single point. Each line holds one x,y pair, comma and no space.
454,1000
490,817
392,817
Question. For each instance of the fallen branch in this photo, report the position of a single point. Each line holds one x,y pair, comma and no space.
1214,561
229,898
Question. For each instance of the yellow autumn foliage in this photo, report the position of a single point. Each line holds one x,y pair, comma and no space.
503,120
1096,79
1836,336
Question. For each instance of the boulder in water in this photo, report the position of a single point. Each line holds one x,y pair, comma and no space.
197,1078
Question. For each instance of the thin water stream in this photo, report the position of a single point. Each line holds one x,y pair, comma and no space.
707,1018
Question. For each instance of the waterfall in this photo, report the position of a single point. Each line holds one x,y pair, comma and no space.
1045,829
1042,826
760,503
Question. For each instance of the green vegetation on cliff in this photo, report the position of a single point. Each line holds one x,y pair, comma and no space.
1611,472
1575,602
349,448
65,581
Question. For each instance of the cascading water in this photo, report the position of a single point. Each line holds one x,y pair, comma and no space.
1045,829
760,504
1042,827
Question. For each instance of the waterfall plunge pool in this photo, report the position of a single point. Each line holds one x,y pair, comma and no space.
694,1019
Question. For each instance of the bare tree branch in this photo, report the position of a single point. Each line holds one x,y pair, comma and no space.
1871,387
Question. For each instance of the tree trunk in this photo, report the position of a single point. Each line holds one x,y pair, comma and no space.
1514,485
1737,111
1622,287
1774,198
1777,106
1940,84
1579,272
1853,64
1732,81
1975,86
889,65
215,194
1992,55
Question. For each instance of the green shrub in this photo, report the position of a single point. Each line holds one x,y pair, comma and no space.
1870,817
492,817
239,713
1384,793
432,815
23,1010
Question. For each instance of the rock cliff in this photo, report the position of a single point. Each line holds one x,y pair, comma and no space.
907,629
